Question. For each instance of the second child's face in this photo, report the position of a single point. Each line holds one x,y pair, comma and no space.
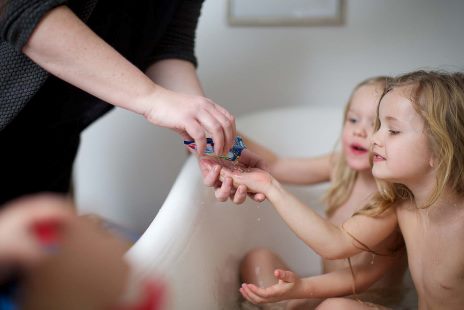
401,152
359,126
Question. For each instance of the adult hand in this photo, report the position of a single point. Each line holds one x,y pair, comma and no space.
288,287
194,118
224,189
19,243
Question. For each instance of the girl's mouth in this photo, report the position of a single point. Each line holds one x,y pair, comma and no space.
358,149
376,157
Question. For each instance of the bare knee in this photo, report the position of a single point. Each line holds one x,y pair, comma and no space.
257,263
255,257
257,254
338,303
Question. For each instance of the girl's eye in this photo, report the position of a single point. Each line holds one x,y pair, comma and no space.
393,132
352,120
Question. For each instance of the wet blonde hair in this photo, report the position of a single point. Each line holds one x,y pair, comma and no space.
438,98
344,176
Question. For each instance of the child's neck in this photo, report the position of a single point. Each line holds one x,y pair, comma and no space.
422,188
366,178
446,203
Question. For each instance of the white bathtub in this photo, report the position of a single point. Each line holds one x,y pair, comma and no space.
196,243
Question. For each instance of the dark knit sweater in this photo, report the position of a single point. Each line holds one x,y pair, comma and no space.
41,117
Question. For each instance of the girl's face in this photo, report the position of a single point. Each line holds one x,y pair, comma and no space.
359,126
401,151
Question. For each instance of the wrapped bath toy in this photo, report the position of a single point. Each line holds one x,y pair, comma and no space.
233,154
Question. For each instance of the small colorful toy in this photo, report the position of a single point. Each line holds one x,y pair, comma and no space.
233,154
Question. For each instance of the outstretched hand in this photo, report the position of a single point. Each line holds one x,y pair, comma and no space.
223,184
288,287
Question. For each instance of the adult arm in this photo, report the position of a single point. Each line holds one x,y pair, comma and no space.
64,46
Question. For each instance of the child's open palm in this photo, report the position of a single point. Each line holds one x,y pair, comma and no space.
287,288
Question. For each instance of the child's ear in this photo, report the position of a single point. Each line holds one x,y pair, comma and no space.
432,162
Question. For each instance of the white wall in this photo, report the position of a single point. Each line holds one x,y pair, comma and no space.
126,167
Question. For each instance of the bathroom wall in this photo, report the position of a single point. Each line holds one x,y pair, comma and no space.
126,167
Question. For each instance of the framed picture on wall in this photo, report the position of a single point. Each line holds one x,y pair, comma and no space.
285,12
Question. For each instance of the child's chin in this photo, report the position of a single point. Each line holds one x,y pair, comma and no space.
380,175
359,165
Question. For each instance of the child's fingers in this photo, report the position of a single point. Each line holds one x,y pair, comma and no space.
284,275
258,197
240,194
262,293
251,295
244,294
210,173
223,193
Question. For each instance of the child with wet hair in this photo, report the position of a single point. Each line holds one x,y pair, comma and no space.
417,157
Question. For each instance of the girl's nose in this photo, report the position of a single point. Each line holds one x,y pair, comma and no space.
360,131
375,139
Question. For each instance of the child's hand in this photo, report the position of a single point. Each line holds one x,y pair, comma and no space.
224,189
288,287
255,180
19,242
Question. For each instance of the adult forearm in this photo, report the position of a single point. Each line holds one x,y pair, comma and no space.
176,75
322,236
64,46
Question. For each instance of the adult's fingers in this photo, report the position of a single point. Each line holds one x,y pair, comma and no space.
211,125
197,132
227,122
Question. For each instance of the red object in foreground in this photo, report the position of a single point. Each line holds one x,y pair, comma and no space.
47,232
152,297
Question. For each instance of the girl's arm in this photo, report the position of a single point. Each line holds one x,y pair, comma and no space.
328,240
64,46
333,284
290,170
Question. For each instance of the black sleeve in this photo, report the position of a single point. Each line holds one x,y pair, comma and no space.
179,39
19,18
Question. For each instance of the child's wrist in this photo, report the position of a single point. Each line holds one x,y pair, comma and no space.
274,191
306,289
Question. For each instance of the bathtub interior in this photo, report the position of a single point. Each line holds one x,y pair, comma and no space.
195,243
